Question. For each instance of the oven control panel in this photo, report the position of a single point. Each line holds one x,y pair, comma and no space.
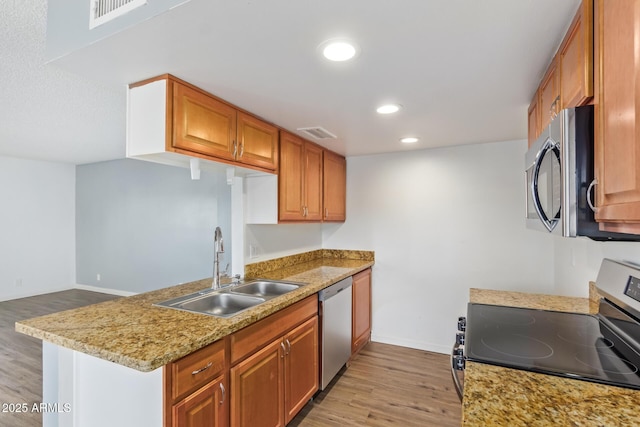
633,288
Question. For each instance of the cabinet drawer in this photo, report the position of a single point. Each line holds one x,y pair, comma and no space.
253,337
196,369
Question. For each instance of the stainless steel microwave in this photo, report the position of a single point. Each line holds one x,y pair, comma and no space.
559,178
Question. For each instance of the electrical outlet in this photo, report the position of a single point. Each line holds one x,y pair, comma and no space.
253,251
98,277
18,283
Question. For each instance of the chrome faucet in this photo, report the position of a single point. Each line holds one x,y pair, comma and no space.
218,248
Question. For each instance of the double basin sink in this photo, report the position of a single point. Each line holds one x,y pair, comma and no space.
230,301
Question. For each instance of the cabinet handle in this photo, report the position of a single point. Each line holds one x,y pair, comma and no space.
223,393
241,148
589,200
283,350
197,371
235,148
289,346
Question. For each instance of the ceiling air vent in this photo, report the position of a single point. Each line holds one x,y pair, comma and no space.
318,132
102,11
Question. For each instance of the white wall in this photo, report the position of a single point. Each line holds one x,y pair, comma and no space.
37,227
440,221
578,260
263,242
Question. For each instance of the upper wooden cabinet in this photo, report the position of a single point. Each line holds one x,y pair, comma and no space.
549,102
568,81
575,57
533,121
617,106
335,187
167,115
299,180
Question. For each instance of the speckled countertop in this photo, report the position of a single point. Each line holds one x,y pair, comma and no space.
496,396
132,332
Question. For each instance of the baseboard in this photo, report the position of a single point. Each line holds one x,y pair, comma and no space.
418,345
32,293
104,290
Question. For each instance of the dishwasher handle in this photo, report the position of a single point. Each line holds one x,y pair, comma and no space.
334,289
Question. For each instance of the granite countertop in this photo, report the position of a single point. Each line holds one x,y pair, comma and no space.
497,396
132,332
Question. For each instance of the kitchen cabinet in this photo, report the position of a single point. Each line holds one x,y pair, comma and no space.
170,121
361,310
568,80
277,368
533,120
549,95
334,187
299,180
204,408
195,388
616,106
576,59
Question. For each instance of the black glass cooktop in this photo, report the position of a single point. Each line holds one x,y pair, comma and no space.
565,344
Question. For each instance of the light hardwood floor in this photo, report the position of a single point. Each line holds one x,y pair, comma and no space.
387,386
21,355
384,386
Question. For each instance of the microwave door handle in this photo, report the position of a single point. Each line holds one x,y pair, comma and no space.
537,204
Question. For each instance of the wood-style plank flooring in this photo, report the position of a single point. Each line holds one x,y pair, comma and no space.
385,385
21,355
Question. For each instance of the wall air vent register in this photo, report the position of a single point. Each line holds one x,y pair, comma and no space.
318,132
101,11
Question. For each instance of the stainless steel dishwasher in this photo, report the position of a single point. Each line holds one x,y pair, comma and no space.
335,312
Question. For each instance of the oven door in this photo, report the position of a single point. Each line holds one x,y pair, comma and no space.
544,185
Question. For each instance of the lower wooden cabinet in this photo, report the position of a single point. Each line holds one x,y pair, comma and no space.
205,407
257,397
361,310
195,389
271,386
301,367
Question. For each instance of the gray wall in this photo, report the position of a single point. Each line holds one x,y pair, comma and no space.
144,226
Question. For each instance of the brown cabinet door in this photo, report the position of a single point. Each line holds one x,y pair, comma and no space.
576,59
206,407
301,367
549,95
257,142
361,308
617,139
257,393
312,182
335,187
202,124
290,178
534,120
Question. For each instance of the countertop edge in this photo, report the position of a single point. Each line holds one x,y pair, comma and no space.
225,326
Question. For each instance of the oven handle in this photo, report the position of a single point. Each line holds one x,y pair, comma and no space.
456,381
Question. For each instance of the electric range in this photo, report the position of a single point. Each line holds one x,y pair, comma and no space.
602,348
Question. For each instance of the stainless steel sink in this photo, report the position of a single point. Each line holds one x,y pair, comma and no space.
230,301
220,304
264,288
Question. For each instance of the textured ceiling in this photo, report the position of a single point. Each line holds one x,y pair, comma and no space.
45,112
463,70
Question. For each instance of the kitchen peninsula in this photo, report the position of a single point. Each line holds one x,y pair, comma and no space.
140,339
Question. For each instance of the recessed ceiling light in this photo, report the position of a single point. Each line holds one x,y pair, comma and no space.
339,50
389,108
409,140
